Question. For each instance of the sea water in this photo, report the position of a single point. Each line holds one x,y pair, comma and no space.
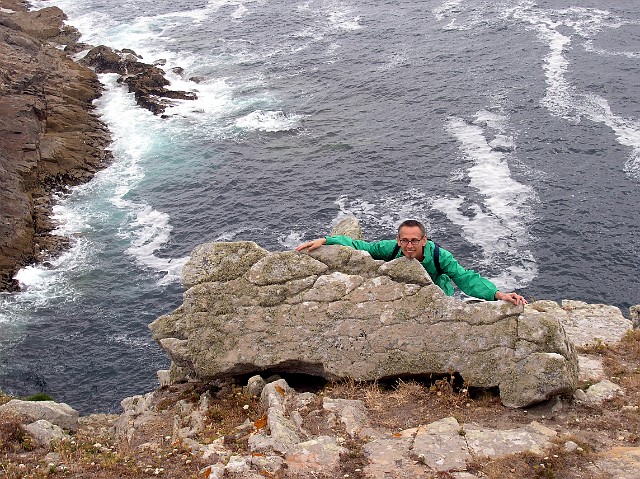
510,128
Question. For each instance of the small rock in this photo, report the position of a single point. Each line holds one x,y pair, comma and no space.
43,432
215,471
52,458
238,465
268,464
570,446
255,385
164,377
598,393
634,314
349,226
314,457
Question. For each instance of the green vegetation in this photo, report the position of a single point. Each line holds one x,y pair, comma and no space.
39,397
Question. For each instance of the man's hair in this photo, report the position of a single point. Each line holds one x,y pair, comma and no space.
412,223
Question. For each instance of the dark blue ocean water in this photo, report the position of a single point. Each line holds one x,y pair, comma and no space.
512,129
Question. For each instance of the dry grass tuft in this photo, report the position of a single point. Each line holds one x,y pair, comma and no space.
4,398
13,437
227,413
353,462
556,463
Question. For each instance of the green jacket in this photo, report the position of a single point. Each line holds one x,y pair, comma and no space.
466,279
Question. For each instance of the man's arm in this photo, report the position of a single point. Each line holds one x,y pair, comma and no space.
513,298
473,283
377,249
311,245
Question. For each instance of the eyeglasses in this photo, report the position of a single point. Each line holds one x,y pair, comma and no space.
414,242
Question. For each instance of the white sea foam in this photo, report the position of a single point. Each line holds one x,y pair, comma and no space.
240,12
490,119
588,46
561,97
388,211
499,224
215,101
269,121
150,229
491,176
291,240
325,21
44,285
341,16
446,9
140,342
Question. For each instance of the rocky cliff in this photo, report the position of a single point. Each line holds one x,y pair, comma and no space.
50,137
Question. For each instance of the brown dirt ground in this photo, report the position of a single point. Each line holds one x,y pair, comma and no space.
94,452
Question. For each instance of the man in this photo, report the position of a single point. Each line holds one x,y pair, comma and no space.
413,244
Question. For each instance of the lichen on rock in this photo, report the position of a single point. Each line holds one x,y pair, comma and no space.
339,314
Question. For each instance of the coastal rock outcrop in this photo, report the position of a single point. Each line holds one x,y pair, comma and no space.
50,137
337,313
146,82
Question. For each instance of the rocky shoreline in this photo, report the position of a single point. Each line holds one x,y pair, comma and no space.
50,136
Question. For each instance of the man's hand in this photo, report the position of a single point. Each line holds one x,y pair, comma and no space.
311,245
513,298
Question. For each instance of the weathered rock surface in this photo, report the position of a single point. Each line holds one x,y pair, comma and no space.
348,226
337,313
634,313
598,392
49,135
43,432
619,463
282,443
60,414
588,325
446,446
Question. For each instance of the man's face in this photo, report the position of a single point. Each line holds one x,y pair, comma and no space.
412,242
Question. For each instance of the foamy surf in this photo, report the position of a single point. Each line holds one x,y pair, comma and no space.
270,121
561,97
498,225
147,229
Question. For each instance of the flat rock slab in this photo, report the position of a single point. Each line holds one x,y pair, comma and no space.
486,442
588,324
447,445
43,432
442,446
339,314
619,462
591,367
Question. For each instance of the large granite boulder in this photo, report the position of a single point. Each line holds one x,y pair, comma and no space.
337,313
